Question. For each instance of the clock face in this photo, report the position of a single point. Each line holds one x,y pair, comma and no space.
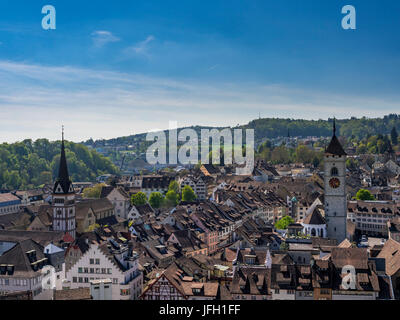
334,183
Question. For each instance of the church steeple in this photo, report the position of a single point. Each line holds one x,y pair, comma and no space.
335,148
334,126
63,184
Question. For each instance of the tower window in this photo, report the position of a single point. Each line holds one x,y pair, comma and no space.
334,171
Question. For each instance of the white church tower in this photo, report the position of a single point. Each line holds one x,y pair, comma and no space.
335,189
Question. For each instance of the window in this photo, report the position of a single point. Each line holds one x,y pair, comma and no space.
97,261
125,292
91,261
334,171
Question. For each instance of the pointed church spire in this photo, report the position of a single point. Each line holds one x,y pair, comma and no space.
334,126
63,183
335,148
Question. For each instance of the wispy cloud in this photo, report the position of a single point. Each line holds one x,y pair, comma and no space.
101,38
35,100
213,67
141,47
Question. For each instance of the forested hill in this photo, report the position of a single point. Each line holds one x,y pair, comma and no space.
354,127
28,164
273,128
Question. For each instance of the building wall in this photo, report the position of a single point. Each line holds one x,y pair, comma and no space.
10,207
10,284
354,296
162,289
322,294
94,265
121,204
304,295
280,294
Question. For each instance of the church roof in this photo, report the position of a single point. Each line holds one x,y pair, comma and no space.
314,218
63,179
335,147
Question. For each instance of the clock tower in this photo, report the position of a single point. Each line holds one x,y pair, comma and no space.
63,203
335,189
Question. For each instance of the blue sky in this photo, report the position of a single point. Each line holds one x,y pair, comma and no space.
114,68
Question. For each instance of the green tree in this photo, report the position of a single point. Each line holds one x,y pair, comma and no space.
363,194
352,164
394,136
284,223
304,154
171,199
139,199
265,154
280,155
93,192
316,161
28,164
174,186
156,200
188,194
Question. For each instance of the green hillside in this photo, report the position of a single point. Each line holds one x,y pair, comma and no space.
29,164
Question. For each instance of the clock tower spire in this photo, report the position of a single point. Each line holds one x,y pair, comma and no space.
335,188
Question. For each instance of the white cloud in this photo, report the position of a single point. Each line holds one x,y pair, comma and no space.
36,100
101,38
141,47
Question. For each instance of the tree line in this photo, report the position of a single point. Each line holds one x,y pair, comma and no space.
30,164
